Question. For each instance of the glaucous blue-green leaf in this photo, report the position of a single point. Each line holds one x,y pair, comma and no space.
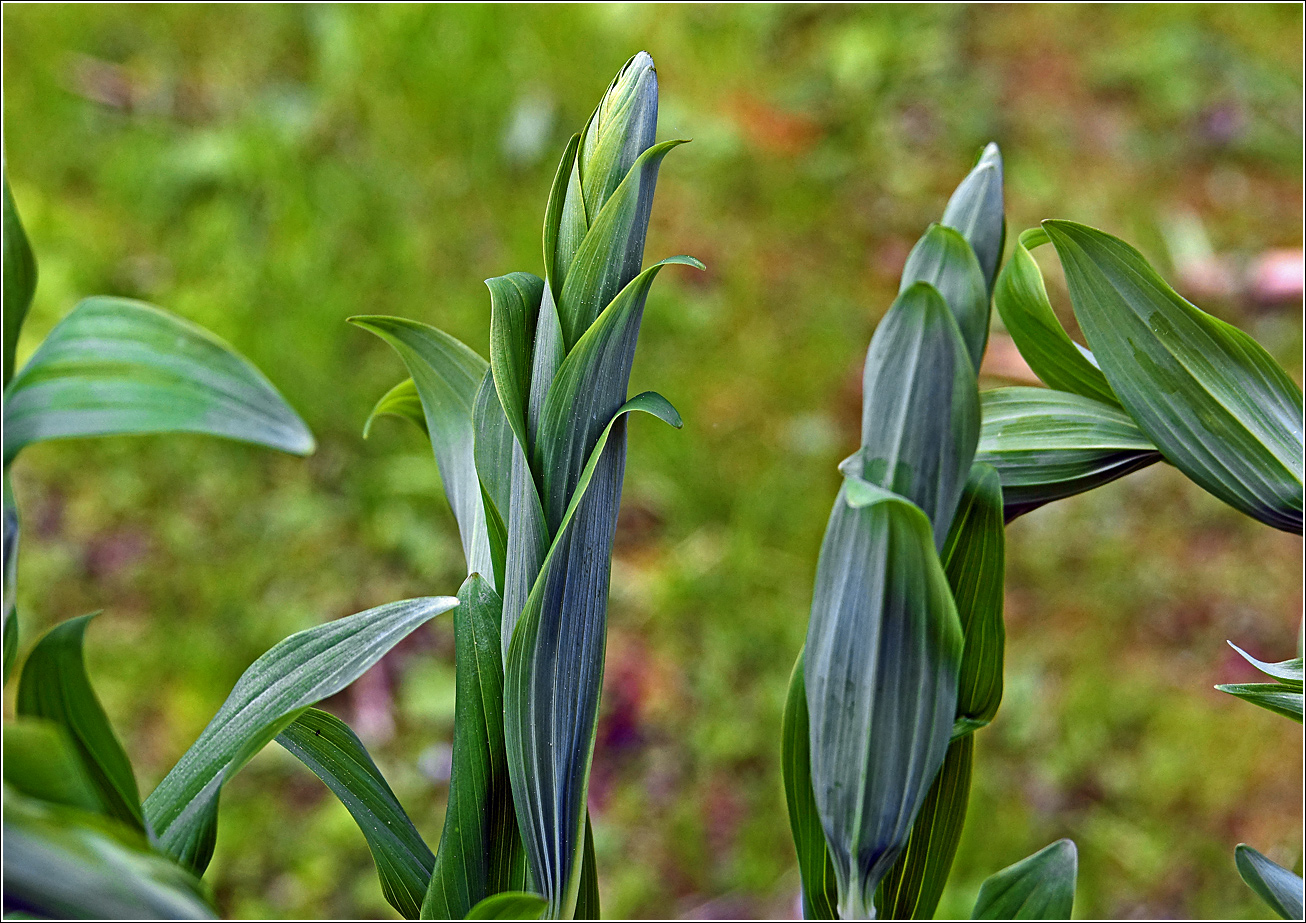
115,366
333,752
54,686
1022,301
883,653
41,760
1283,697
1211,398
1047,445
976,210
480,850
514,307
815,867
1038,887
920,407
19,279
400,401
447,375
1289,672
555,668
297,673
1273,883
509,905
622,127
944,259
62,863
495,446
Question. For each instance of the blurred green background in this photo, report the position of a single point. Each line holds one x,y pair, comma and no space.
269,171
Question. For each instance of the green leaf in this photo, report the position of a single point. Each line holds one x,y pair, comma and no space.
1038,887
10,565
1210,397
42,761
447,375
622,127
556,262
19,280
815,867
514,307
495,446
587,903
976,210
297,673
1273,883
400,401
327,746
1289,672
946,261
54,686
115,366
1022,301
555,668
884,648
480,849
1047,445
61,863
509,905
912,888
1276,697
920,407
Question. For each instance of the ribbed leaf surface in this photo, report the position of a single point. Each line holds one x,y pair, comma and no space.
1038,887
815,867
1273,883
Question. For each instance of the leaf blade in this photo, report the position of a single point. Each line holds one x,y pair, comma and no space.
1273,883
1038,887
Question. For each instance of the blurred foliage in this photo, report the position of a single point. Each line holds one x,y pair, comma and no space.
268,171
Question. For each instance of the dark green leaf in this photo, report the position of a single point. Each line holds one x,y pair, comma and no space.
946,261
509,905
1039,887
976,210
54,686
1047,445
400,401
884,648
587,903
297,673
1210,397
815,867
115,366
41,760
1273,883
19,279
514,307
1276,697
327,746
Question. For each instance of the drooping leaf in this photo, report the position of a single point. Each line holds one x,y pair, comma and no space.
1022,301
976,210
912,888
944,259
42,761
327,746
19,279
1273,883
555,668
1276,697
54,686
514,307
815,867
509,905
1047,445
400,401
1038,887
115,366
297,673
61,863
446,374
920,409
884,648
1210,397
480,851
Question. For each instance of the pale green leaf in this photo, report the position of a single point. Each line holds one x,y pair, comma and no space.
400,401
509,905
19,279
41,760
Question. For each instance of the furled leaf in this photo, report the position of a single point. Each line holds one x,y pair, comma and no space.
509,905
1210,397
400,401
115,366
1273,883
587,902
884,648
1276,697
514,307
815,867
1022,301
42,761
327,746
54,686
480,850
61,863
912,888
555,667
946,261
446,374
1047,445
19,279
1038,887
976,210
620,130
556,261
297,673
920,409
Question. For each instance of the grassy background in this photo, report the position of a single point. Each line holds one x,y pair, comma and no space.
270,171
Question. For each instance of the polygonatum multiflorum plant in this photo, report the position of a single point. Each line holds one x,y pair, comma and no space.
531,448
